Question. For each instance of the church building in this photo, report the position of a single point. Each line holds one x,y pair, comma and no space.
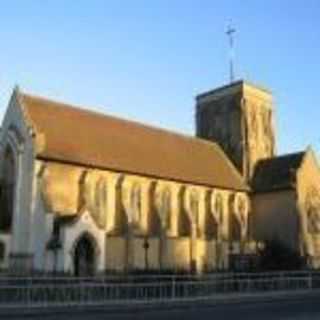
86,193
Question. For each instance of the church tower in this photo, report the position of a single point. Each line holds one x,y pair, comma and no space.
239,117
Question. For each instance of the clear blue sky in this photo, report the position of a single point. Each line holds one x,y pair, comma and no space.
147,60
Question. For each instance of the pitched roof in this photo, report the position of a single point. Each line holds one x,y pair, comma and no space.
77,136
276,173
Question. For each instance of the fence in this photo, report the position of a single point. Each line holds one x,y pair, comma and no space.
49,278
97,292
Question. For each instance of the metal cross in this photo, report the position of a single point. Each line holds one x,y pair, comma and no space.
230,31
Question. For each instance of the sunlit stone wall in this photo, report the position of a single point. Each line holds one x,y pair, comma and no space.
145,223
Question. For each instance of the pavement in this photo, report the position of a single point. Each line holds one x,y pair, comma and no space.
303,305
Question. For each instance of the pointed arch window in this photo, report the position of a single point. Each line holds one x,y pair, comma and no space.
136,203
7,190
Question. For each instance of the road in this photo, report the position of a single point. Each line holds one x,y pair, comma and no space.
299,308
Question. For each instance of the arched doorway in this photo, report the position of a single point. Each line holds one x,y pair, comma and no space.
84,257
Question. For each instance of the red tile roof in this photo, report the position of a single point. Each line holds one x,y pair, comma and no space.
78,136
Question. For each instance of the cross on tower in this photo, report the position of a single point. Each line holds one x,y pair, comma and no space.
230,31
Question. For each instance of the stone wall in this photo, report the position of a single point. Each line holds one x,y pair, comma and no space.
238,117
308,202
275,217
180,222
18,137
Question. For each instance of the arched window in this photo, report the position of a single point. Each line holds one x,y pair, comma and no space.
211,225
7,190
194,206
219,208
164,207
121,218
136,203
312,204
313,220
153,219
100,201
184,223
235,217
